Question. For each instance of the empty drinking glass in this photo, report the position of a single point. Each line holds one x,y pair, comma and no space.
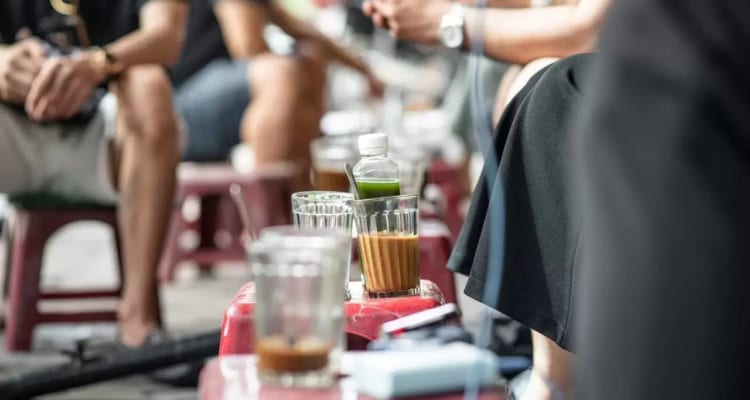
328,211
299,307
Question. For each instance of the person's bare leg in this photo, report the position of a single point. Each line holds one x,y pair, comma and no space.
514,80
284,115
145,161
503,91
552,375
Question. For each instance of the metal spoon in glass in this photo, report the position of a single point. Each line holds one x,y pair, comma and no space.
235,190
352,181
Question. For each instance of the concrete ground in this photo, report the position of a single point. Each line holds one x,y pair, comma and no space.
82,255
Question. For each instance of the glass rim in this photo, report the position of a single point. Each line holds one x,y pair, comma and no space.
309,196
400,197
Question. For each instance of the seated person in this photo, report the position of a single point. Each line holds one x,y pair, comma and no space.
518,32
540,216
55,137
229,86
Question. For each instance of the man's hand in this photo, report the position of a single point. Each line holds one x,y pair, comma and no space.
377,88
413,20
63,86
19,66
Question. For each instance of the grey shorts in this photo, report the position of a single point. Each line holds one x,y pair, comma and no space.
63,159
211,104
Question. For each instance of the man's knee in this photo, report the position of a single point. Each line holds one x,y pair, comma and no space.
276,74
145,102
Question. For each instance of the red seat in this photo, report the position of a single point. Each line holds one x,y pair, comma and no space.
364,316
454,189
26,235
218,228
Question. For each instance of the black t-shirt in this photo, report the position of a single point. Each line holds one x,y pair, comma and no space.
105,21
203,43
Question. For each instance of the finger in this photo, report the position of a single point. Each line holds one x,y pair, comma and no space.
368,8
20,83
384,7
21,76
14,95
27,65
73,99
34,48
41,85
56,98
380,21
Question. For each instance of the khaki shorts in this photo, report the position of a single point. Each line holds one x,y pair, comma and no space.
67,160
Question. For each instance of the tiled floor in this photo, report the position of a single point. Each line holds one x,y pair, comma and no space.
82,255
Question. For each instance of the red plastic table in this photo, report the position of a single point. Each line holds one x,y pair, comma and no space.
364,316
234,377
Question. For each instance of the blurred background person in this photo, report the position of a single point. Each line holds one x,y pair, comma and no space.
231,87
63,133
664,144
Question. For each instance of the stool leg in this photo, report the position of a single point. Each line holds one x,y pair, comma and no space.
5,271
208,228
28,243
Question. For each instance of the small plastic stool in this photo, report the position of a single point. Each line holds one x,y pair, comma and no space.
453,188
364,316
218,228
33,219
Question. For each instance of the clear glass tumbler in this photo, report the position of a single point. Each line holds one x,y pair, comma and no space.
329,158
299,309
411,176
388,236
327,211
412,166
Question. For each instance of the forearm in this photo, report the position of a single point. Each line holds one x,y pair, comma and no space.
160,38
515,3
299,29
522,35
499,3
147,47
242,24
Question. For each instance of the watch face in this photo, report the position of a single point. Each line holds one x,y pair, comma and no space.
451,33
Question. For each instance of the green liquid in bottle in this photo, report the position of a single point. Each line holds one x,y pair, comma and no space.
369,189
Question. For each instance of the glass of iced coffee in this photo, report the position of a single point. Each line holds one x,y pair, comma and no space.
387,232
299,305
328,211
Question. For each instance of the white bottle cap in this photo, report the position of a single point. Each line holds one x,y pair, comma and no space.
373,144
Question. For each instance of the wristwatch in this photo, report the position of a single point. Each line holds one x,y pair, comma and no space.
112,65
541,3
452,27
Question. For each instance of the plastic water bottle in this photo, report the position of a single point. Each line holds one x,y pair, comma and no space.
376,175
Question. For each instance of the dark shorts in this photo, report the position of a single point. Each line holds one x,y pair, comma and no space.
541,221
211,104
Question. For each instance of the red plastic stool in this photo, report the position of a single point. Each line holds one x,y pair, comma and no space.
218,228
435,247
451,182
26,234
364,316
